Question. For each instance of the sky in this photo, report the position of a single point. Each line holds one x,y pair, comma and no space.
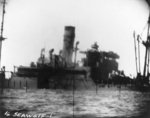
31,25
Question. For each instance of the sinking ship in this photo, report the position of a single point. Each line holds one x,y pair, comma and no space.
62,71
59,71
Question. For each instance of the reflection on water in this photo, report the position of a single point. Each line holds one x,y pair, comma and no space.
88,104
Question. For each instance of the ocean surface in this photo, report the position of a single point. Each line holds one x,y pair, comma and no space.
105,103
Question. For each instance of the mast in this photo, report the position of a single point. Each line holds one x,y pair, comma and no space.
1,39
138,37
135,53
2,28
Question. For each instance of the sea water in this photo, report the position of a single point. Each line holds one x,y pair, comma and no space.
105,103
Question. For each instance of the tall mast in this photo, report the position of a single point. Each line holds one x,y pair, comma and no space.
2,29
138,38
135,53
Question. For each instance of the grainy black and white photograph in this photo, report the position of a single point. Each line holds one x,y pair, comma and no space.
74,59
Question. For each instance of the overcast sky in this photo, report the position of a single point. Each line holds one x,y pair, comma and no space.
33,24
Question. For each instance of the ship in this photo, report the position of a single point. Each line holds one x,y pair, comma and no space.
60,71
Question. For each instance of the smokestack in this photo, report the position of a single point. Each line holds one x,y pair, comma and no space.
67,52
